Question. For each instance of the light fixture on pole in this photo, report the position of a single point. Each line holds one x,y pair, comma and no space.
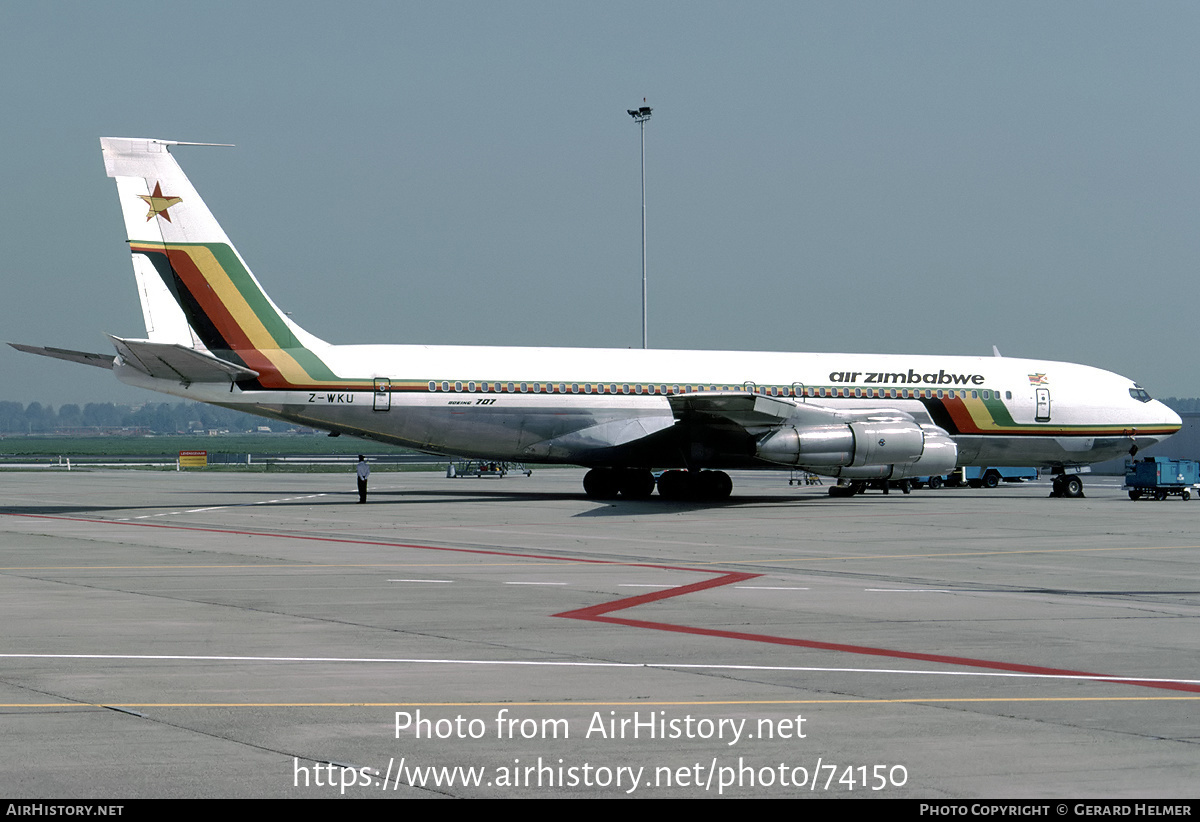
640,116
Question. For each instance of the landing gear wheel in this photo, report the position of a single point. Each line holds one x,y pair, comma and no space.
610,483
847,490
675,485
1067,485
709,486
637,483
713,486
601,483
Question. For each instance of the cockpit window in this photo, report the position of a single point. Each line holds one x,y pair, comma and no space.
1138,393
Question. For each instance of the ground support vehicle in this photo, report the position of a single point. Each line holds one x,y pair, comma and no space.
1160,477
487,468
980,476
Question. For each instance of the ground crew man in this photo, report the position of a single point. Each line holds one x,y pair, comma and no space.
364,471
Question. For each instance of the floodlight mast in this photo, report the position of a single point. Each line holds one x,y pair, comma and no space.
640,116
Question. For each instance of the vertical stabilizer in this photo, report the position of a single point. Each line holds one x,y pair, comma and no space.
194,286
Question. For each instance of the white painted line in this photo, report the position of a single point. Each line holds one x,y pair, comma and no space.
552,664
223,507
911,590
770,588
447,581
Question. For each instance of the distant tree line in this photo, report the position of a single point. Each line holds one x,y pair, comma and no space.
1187,405
107,417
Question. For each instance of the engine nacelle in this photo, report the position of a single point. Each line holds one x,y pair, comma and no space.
864,449
824,445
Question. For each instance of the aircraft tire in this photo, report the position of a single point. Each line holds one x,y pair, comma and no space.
1072,487
842,490
713,485
675,485
601,483
636,483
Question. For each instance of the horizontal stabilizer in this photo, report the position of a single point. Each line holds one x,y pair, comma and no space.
171,361
98,360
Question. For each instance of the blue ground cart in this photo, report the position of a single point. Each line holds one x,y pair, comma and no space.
1159,477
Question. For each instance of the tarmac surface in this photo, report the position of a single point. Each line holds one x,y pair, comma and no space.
205,634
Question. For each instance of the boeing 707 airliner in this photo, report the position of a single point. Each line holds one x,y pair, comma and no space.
213,335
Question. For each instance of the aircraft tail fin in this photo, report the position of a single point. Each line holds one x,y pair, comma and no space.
195,289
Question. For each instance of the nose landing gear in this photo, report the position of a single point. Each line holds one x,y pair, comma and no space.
1067,485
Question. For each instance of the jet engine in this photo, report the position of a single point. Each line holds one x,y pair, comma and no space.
892,448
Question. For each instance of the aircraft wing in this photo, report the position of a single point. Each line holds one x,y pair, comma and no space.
171,361
748,410
98,360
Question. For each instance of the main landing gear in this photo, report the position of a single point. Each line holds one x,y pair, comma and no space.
1067,485
610,483
638,483
860,486
706,486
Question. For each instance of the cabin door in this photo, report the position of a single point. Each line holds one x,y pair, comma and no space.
383,394
1043,405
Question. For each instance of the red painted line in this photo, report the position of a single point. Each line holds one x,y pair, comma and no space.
596,613
344,541
599,612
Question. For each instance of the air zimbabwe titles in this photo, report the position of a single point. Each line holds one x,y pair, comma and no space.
902,378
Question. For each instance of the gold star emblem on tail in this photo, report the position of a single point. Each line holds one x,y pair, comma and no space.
159,203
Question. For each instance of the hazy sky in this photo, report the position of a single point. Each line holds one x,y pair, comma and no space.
902,177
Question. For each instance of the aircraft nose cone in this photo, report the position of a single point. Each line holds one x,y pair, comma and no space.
1171,418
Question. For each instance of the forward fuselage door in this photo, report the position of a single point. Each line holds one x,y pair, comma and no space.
1042,414
383,394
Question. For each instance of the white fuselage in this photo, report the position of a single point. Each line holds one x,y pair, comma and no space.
574,405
